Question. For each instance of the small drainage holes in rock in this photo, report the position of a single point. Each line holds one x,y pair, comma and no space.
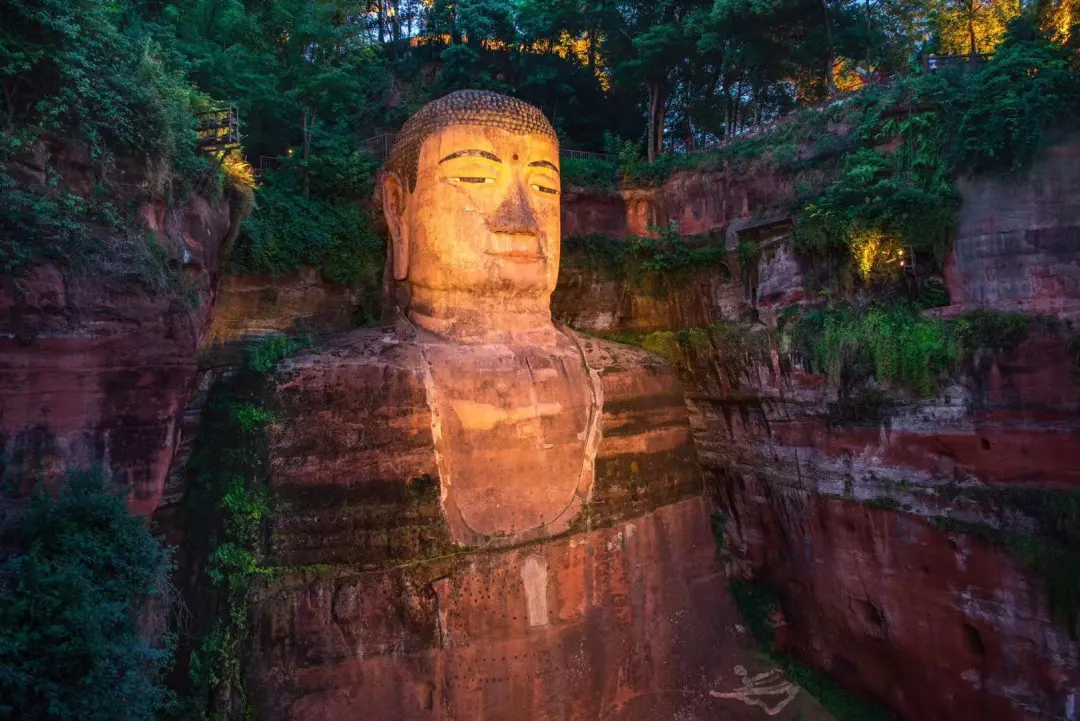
985,444
872,614
973,640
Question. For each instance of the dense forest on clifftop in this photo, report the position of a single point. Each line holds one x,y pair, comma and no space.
102,101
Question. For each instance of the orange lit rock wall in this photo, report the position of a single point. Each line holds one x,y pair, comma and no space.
623,622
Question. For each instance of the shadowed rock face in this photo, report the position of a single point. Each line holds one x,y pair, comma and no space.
98,369
1016,246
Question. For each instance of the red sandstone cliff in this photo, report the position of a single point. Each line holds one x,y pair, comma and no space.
939,624
96,367
845,520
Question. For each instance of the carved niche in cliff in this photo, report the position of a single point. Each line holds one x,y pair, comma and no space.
477,422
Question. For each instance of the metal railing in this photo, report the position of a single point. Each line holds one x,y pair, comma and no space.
219,128
931,63
379,146
585,155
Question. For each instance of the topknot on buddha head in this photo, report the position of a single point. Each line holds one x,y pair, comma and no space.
464,107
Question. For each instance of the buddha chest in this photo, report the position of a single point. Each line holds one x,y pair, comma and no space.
515,431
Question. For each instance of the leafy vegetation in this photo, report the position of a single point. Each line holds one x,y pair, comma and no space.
91,73
991,330
77,631
288,231
265,354
639,259
1030,87
588,172
757,603
886,341
229,502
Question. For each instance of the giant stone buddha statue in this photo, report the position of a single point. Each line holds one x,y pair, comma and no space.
484,516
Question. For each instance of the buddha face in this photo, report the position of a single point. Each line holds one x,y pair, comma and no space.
483,218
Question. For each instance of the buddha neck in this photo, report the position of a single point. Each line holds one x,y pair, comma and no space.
466,318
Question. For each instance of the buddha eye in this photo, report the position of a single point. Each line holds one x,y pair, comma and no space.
473,179
545,189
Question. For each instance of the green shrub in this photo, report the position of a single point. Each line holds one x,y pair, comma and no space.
897,343
1030,86
69,644
87,74
638,259
880,195
228,504
288,231
991,330
589,172
265,353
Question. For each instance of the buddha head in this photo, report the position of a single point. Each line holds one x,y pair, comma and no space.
471,197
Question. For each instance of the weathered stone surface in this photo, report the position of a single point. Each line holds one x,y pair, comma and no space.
627,622
595,304
835,516
1016,248
360,461
615,623
98,369
699,202
257,305
938,625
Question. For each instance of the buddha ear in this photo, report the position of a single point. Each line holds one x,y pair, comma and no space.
393,198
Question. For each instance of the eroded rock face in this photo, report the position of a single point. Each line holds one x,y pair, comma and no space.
618,623
98,369
699,202
249,306
937,625
839,517
595,304
1016,245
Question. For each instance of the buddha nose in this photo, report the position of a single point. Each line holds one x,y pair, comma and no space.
514,216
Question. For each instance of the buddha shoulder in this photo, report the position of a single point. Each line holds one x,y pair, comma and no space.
628,371
365,367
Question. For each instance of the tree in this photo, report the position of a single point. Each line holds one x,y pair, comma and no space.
973,26
69,643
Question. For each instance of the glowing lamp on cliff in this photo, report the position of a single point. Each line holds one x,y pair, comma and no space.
907,259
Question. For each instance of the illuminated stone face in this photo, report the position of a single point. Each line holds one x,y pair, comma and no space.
477,237
484,217
472,201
